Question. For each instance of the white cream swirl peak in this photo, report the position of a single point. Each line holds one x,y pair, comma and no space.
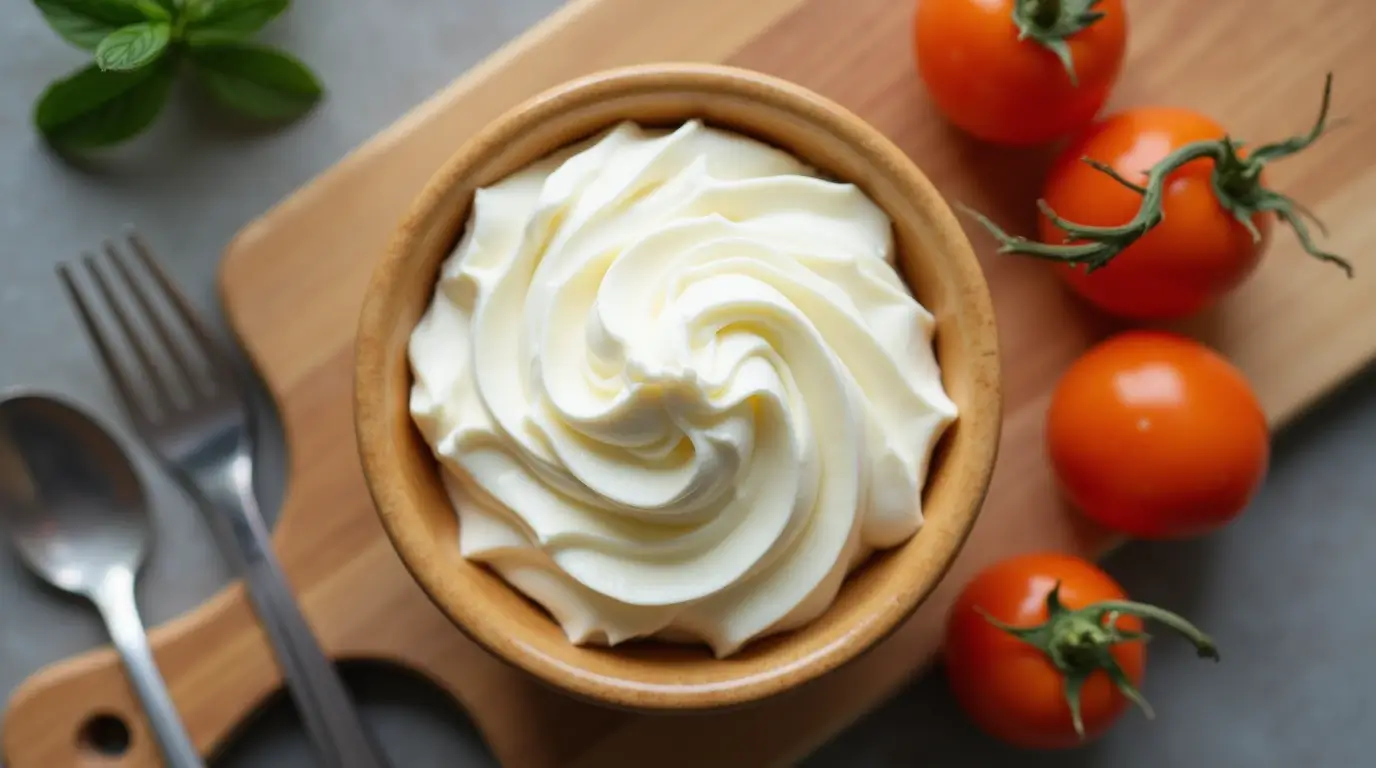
678,387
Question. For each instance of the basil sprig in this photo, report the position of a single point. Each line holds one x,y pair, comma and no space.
138,48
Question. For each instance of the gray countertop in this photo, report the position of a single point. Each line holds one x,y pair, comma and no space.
1282,590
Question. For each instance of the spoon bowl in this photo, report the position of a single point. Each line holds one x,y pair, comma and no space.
71,499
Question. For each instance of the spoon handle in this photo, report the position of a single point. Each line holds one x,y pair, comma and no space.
115,599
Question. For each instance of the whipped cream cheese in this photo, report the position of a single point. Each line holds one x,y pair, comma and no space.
677,387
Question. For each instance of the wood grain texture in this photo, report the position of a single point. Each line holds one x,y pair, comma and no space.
1297,329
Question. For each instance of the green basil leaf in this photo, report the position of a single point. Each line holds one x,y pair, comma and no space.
95,108
134,46
155,10
256,80
211,20
84,23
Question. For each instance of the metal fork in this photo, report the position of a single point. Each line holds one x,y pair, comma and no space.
198,423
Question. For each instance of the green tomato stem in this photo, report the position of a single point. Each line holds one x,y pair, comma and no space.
1049,22
1236,182
1203,644
1079,643
1045,13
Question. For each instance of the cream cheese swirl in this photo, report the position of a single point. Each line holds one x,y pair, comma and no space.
677,386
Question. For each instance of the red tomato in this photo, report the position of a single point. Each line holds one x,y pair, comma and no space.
1010,688
1196,254
1155,435
1008,90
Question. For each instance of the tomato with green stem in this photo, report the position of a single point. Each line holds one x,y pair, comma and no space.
1045,651
1157,212
1019,72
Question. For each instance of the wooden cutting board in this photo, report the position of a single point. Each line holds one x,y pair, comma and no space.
292,283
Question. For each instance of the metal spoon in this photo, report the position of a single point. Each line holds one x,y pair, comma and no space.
75,508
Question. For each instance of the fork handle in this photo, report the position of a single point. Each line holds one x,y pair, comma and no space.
314,683
118,606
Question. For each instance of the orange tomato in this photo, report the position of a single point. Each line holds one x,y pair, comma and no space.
1155,435
1010,90
1196,254
1010,688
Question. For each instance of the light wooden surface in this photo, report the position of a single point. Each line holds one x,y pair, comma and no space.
292,283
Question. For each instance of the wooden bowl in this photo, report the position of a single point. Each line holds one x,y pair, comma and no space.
936,259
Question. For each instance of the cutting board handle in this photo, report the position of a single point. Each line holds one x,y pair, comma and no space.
220,668
86,709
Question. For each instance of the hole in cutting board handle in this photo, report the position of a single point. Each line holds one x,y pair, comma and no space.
104,736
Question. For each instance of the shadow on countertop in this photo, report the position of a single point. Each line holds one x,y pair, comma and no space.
396,703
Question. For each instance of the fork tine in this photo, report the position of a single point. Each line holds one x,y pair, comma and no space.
154,317
222,372
123,386
166,405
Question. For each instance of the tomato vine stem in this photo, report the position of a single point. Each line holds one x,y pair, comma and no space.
1046,12
1049,22
1236,182
1079,643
